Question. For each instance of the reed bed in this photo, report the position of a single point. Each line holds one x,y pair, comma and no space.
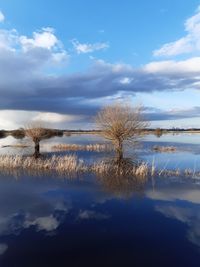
70,164
126,168
89,147
66,164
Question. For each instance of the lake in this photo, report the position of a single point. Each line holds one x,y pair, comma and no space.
49,220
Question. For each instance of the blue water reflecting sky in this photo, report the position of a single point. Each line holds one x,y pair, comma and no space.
49,221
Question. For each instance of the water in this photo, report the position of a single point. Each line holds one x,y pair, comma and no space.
102,221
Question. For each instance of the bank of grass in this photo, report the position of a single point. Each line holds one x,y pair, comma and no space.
89,147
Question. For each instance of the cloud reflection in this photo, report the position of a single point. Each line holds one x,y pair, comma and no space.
189,216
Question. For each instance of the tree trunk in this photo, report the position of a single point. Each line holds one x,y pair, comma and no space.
119,151
37,150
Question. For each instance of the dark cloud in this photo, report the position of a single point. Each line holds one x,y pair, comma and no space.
25,82
23,86
158,114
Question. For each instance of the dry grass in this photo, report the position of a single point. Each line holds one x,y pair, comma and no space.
90,147
67,164
126,168
164,148
71,165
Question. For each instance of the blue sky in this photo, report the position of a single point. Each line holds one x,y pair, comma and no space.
61,61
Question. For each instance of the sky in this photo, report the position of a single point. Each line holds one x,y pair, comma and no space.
62,61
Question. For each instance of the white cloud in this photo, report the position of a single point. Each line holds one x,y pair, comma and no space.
191,65
2,17
26,63
43,49
8,39
43,39
83,48
51,117
13,119
125,80
188,43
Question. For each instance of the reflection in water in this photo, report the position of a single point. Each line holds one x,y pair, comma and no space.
91,214
123,186
3,248
51,220
170,200
64,222
121,179
189,216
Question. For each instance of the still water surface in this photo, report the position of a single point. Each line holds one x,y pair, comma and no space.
92,221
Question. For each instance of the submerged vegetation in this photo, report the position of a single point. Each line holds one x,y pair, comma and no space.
119,123
72,165
66,164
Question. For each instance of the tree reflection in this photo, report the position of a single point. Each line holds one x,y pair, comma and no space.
122,182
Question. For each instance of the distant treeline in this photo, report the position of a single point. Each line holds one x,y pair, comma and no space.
20,133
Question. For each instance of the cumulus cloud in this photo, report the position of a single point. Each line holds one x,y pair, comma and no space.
188,43
83,48
44,47
8,40
26,82
2,17
44,39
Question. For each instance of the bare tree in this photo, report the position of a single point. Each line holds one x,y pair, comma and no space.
36,132
121,123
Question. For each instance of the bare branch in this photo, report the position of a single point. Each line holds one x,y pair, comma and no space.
121,123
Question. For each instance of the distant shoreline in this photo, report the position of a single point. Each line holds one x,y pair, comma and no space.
19,133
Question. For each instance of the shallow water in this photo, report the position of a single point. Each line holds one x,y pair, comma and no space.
187,155
102,221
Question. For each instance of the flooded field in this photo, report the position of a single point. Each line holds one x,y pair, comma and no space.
91,220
